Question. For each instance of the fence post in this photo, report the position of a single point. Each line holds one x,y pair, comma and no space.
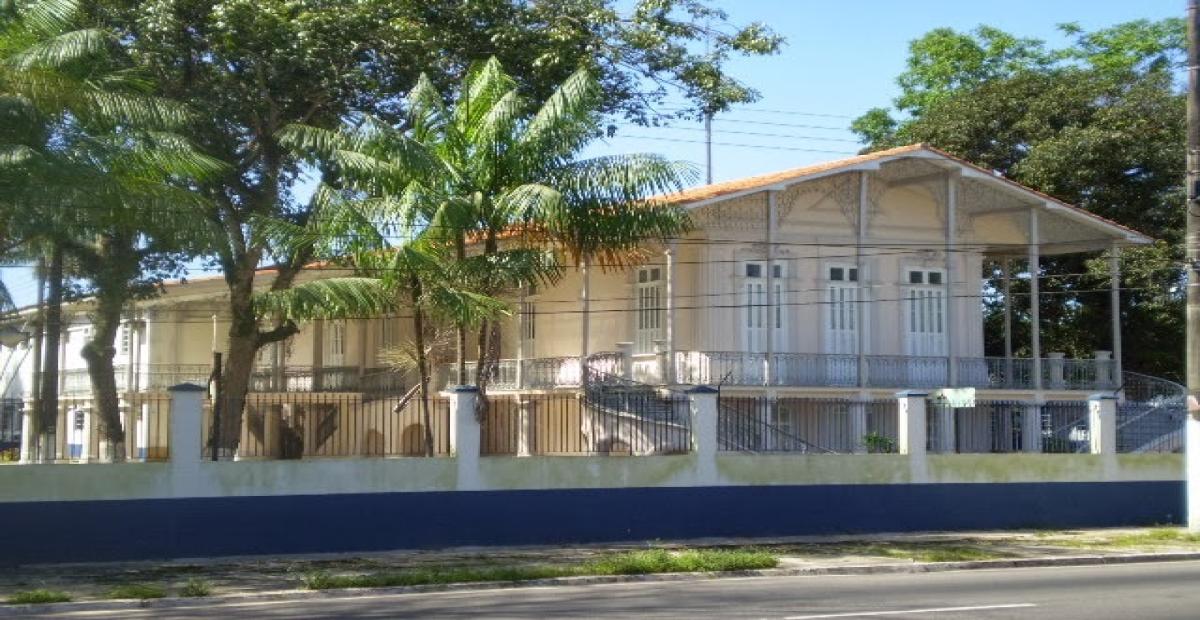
1105,367
1031,427
910,408
187,412
626,351
27,439
703,406
1102,423
85,448
1055,362
464,435
858,426
524,427
662,359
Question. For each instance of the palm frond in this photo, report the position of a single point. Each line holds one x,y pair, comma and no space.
330,298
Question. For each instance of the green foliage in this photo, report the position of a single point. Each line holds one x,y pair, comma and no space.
195,588
640,562
1099,124
38,597
879,444
139,591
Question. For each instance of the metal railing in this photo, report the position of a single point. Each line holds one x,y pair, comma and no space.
627,417
80,435
1152,414
1065,428
806,425
991,426
320,425
542,373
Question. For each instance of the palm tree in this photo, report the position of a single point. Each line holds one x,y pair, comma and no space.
493,163
82,165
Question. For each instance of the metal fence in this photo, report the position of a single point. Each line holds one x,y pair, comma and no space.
1065,428
320,425
991,426
536,424
806,425
1154,426
11,410
80,435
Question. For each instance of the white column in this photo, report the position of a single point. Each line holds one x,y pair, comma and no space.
769,375
951,302
669,334
1031,427
861,306
911,422
1102,423
584,315
704,431
1035,320
1114,302
858,425
524,427
464,435
1008,340
187,409
27,438
521,323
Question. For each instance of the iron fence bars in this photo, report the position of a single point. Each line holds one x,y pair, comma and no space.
907,371
805,425
1151,426
991,426
812,369
11,414
320,425
560,424
80,435
1065,428
622,416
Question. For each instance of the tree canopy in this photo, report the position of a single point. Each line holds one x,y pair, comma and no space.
1099,123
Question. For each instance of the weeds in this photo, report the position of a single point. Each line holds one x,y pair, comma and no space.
38,597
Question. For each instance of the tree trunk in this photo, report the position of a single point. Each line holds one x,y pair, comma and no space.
48,393
243,344
98,353
422,362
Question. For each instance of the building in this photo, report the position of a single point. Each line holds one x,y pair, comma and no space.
846,281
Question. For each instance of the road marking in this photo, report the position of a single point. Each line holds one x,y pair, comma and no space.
898,612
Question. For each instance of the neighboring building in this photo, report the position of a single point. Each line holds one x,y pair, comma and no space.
851,279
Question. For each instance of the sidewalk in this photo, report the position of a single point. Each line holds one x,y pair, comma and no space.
299,575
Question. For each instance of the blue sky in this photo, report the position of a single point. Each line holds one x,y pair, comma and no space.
841,59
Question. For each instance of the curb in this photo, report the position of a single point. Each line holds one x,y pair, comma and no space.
15,611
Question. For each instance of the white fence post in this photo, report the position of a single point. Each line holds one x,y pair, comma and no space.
1102,423
911,422
626,351
1055,362
1031,427
858,426
703,406
524,427
464,435
27,442
187,411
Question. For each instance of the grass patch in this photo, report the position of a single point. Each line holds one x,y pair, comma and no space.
195,588
136,590
37,597
1155,537
927,553
625,563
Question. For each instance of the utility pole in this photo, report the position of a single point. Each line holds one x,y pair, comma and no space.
1192,356
708,146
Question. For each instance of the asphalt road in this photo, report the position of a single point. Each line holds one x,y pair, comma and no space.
1142,591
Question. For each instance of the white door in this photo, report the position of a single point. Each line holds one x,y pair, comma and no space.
650,310
925,333
842,322
335,344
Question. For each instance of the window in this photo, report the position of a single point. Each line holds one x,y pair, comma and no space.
925,307
842,310
124,339
528,321
335,343
758,314
932,277
649,319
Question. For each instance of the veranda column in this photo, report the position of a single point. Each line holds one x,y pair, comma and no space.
669,377
951,315
1035,321
584,315
1114,302
522,321
1006,265
769,375
861,306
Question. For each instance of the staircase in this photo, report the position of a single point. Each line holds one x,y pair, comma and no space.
1152,416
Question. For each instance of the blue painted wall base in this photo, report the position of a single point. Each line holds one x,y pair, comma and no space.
196,527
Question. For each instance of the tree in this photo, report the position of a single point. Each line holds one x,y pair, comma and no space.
80,148
255,67
495,164
1099,124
